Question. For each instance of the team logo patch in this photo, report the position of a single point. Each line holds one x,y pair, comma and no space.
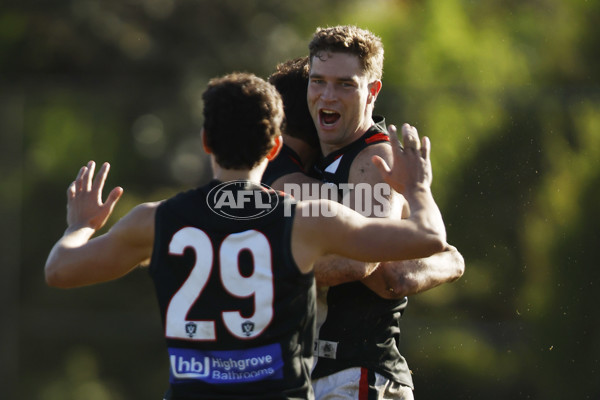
325,349
242,200
248,328
190,329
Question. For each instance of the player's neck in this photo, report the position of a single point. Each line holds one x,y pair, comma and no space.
306,152
225,174
328,148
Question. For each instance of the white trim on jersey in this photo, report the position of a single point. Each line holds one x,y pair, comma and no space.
331,168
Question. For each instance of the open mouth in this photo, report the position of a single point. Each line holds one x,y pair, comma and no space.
328,117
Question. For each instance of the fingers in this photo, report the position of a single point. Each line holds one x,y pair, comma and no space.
425,147
113,198
397,148
86,182
71,190
410,137
100,179
79,179
393,131
84,177
383,167
88,175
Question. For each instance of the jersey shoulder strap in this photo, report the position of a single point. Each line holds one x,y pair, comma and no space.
286,162
335,167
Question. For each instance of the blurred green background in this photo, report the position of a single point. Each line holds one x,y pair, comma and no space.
508,92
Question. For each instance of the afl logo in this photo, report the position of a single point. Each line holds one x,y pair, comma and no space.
242,200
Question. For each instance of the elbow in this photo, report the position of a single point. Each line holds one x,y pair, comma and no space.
459,263
54,278
52,270
436,244
399,279
455,263
59,271
403,287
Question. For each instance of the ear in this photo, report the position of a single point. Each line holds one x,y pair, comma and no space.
374,88
276,148
207,149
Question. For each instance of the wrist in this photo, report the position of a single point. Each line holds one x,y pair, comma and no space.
417,189
80,229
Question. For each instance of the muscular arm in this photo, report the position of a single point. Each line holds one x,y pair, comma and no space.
329,270
397,279
334,270
76,260
349,234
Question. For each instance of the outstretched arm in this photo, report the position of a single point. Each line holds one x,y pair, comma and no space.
76,259
397,279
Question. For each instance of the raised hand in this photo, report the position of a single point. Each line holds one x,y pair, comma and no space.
85,208
411,163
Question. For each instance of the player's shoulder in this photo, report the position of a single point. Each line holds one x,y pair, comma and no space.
362,168
136,228
146,209
382,149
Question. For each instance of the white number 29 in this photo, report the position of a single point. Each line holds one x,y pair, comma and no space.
259,285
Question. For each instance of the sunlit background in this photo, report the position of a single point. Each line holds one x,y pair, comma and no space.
508,92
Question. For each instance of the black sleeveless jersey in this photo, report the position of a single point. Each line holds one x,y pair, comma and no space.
286,162
239,316
361,329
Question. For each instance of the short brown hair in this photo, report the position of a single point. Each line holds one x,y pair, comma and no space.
242,117
353,40
291,81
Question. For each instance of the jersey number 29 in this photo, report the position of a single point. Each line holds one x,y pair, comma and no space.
259,284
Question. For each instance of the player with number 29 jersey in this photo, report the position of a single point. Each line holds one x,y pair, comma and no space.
231,296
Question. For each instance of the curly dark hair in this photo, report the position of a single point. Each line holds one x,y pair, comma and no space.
242,116
353,40
291,81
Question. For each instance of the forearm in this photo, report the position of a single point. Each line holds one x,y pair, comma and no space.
425,212
334,270
405,278
64,258
79,260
